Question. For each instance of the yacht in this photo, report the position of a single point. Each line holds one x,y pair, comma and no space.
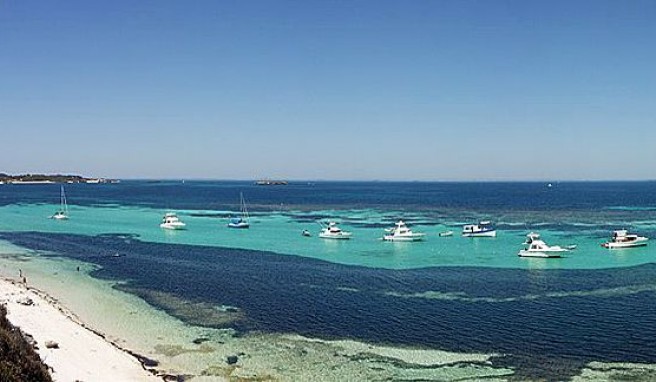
171,221
332,231
62,213
482,229
401,232
623,239
538,248
243,220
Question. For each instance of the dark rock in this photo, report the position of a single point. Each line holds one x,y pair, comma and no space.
174,378
200,340
25,301
147,362
29,339
52,345
232,359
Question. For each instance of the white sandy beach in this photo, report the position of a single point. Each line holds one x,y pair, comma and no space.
82,355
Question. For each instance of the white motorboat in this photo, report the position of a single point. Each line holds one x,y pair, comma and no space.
445,234
538,248
623,239
171,221
62,214
332,231
401,232
482,229
243,220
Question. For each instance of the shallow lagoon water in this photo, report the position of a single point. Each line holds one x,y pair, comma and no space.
468,296
281,233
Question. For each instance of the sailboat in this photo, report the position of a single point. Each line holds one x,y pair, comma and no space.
62,214
242,221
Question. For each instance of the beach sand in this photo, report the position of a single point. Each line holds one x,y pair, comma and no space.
81,354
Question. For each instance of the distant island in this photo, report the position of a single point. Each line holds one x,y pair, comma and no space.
268,182
47,179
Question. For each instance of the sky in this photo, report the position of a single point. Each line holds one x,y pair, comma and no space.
333,90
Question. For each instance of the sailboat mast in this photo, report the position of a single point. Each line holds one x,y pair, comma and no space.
244,211
64,205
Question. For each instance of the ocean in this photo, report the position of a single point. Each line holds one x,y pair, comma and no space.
533,319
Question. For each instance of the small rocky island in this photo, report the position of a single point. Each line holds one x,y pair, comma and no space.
269,182
47,179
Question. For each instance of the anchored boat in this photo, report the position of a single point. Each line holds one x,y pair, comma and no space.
171,221
623,239
538,248
401,232
332,231
62,214
243,220
482,229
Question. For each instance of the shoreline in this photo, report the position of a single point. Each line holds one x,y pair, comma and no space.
82,353
201,354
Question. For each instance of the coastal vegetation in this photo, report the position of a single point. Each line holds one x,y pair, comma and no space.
18,360
50,178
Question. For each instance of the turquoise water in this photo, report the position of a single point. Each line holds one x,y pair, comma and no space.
281,232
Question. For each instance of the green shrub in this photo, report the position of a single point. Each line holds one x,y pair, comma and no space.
18,361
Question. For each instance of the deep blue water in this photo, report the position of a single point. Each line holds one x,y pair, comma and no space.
563,318
490,196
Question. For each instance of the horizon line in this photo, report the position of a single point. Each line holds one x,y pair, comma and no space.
300,180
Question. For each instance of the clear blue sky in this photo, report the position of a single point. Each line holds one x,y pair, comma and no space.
391,90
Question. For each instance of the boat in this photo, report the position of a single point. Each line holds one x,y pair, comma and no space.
401,232
62,214
445,234
306,233
538,248
171,221
332,231
243,220
623,239
482,229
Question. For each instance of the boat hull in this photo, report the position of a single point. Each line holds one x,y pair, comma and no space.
541,254
343,236
480,234
403,238
239,225
179,226
636,244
